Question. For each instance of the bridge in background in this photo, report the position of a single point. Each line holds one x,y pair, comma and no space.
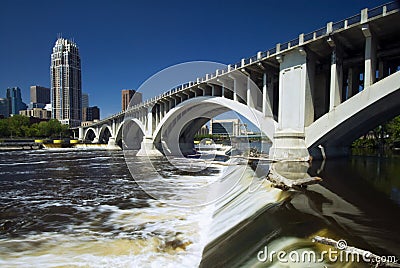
319,91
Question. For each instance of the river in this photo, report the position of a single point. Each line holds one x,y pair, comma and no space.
83,208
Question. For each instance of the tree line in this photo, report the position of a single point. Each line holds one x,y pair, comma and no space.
19,126
385,135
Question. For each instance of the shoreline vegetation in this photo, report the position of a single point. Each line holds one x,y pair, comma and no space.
19,126
385,136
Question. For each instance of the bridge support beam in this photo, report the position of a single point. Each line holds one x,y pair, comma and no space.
147,147
336,79
353,81
370,57
295,108
81,134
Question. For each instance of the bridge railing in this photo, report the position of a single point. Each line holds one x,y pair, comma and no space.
362,17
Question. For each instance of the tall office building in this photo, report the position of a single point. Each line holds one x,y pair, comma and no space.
127,95
40,94
91,113
85,100
15,103
4,110
66,84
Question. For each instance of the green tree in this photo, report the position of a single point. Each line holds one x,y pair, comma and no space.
20,126
33,131
17,125
4,131
393,129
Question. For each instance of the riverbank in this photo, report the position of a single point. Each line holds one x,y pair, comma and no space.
16,145
12,146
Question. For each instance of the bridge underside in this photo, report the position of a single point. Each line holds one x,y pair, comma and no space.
336,130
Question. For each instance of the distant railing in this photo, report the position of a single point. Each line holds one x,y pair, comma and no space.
353,20
339,25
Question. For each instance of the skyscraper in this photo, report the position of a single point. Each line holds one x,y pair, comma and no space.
127,95
4,110
66,84
14,98
91,113
85,101
40,94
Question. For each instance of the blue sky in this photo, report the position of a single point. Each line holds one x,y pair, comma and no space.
123,43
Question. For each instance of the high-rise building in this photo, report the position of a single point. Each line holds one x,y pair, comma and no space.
40,94
15,103
127,95
91,113
4,110
66,84
85,100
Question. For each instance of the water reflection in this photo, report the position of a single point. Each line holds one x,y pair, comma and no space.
354,202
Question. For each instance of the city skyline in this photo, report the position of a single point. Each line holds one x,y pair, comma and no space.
122,47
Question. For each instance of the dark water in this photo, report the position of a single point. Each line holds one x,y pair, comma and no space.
76,208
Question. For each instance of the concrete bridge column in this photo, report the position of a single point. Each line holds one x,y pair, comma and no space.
203,91
267,95
370,56
212,90
147,147
144,116
172,103
166,107
194,92
250,94
383,69
158,113
149,123
81,133
162,110
336,80
112,144
295,108
235,96
353,81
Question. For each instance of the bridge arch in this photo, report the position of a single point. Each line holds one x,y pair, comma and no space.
130,134
90,135
105,133
202,109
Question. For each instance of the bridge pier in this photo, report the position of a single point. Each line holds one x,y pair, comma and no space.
81,133
289,146
295,108
112,144
147,148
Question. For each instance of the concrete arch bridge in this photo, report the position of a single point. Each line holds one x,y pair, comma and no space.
321,90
